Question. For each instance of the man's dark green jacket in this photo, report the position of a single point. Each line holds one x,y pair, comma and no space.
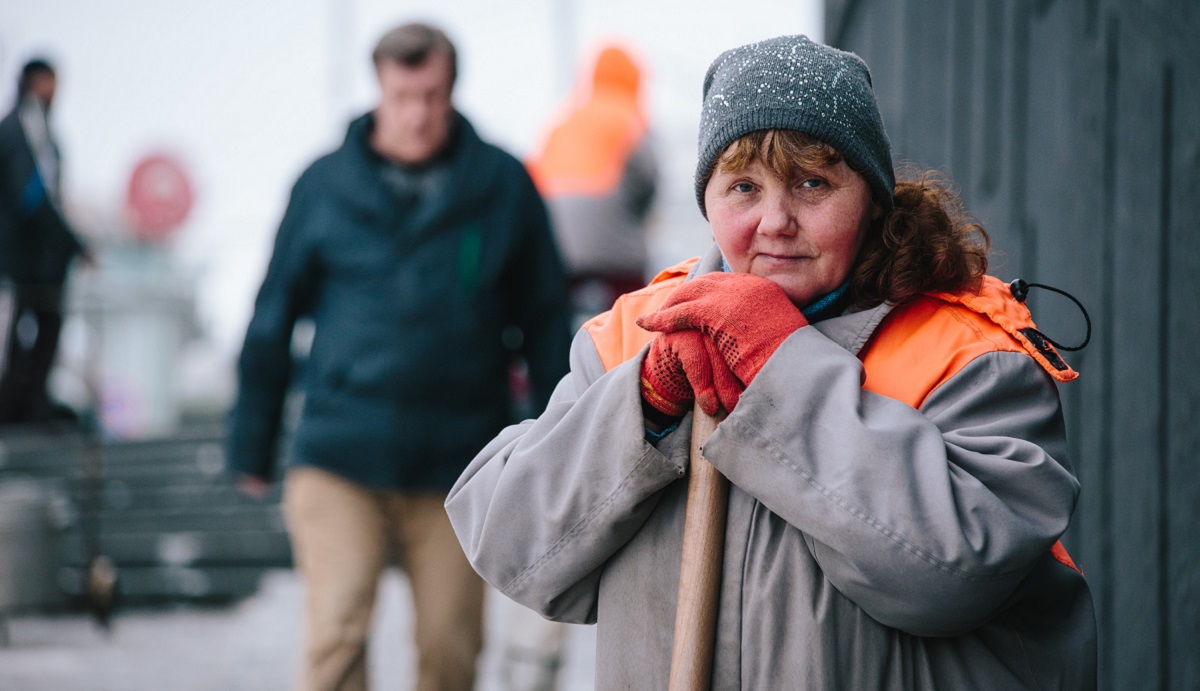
407,376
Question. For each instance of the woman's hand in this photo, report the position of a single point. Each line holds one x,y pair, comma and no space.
743,317
683,366
664,382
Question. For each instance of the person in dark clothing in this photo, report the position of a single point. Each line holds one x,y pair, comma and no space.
424,259
37,246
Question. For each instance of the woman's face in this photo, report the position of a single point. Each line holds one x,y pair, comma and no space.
803,233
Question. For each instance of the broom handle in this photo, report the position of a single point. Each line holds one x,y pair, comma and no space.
700,565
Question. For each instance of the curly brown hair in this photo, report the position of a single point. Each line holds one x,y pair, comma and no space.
926,243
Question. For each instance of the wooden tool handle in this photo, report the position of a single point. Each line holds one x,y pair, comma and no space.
700,565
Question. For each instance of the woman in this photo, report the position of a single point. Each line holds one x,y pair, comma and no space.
894,443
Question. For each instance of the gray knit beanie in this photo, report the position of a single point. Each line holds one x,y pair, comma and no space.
793,83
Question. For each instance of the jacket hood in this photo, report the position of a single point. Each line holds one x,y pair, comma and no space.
616,72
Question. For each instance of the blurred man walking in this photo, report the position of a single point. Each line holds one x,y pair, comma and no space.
423,257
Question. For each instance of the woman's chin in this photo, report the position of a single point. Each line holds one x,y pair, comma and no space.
800,292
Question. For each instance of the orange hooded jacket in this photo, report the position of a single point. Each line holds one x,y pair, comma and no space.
586,153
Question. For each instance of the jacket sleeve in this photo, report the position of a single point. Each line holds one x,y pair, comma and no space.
543,507
265,363
927,519
539,298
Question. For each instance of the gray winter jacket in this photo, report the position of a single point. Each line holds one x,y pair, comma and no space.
868,545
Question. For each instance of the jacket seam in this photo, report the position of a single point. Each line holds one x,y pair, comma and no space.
958,316
760,439
982,337
579,526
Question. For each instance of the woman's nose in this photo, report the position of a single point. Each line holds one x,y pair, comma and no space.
779,216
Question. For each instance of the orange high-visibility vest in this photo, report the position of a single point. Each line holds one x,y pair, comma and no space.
918,346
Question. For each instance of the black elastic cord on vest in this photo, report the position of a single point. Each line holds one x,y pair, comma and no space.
1020,289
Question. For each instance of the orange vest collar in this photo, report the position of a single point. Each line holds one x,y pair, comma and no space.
994,299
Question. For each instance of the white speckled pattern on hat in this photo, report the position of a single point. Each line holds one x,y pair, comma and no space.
794,83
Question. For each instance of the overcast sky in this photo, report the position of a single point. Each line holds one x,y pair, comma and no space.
247,92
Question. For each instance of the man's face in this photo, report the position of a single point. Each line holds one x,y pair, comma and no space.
42,87
414,115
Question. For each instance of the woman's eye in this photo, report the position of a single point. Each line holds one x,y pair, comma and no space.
812,183
743,187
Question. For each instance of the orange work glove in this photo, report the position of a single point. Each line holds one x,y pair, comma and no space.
744,316
683,366
664,383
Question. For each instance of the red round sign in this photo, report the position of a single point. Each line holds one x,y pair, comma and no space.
160,197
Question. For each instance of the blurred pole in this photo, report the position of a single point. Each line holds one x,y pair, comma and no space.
812,19
565,46
100,573
342,61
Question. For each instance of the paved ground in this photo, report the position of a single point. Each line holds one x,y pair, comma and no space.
250,646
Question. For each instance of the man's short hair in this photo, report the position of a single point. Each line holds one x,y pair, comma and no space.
412,44
32,69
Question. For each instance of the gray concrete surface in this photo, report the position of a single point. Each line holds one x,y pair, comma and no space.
250,646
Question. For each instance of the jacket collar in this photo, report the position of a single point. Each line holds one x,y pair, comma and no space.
470,176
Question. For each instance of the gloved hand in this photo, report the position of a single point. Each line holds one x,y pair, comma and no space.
745,317
683,366
665,385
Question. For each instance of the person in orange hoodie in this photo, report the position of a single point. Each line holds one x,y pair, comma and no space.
597,171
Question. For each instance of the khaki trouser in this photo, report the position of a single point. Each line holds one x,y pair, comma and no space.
342,535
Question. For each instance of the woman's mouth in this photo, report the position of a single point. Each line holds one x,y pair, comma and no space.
780,258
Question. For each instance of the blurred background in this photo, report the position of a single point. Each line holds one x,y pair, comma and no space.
183,126
240,96
1071,126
